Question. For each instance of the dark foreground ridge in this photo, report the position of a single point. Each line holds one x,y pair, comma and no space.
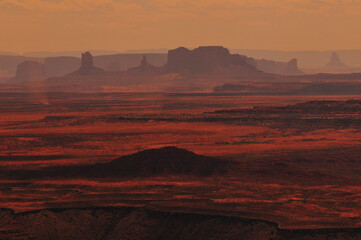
167,161
141,223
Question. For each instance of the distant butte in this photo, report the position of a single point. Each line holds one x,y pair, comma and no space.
87,66
28,71
204,59
145,68
335,62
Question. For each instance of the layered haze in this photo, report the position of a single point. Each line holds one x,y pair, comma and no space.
63,25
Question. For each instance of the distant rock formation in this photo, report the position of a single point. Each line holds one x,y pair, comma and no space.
270,66
145,68
29,71
87,67
292,67
122,62
204,59
10,63
167,161
335,62
336,66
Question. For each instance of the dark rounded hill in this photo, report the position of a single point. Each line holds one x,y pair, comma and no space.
167,161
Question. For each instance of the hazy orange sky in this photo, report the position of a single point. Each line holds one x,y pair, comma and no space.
54,25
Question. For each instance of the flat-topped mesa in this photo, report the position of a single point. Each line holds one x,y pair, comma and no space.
29,71
204,59
87,66
270,66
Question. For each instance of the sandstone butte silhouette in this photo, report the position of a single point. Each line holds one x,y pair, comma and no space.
181,60
64,65
212,56
208,59
336,66
87,66
288,68
204,59
28,71
335,62
145,68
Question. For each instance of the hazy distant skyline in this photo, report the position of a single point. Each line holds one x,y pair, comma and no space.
66,25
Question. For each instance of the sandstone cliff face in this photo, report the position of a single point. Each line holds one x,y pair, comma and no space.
29,71
203,59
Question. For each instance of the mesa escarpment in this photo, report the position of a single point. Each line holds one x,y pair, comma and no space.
205,59
276,67
28,71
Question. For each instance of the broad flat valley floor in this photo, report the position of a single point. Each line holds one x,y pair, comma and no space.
298,158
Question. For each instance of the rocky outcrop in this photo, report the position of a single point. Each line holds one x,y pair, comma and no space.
204,59
269,66
122,62
145,68
292,67
28,71
87,66
211,59
61,66
335,62
10,63
336,66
